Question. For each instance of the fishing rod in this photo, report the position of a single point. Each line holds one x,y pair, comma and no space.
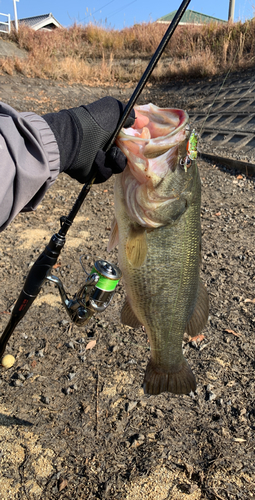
98,289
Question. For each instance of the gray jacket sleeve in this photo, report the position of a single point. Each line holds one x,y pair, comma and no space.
30,162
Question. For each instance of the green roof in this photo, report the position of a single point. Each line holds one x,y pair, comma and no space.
191,17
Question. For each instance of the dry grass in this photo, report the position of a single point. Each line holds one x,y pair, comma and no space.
94,55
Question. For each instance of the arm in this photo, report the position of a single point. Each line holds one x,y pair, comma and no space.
30,161
34,150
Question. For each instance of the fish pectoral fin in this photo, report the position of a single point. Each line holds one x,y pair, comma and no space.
136,246
128,316
200,314
114,236
179,379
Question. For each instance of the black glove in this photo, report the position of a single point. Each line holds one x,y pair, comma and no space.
82,132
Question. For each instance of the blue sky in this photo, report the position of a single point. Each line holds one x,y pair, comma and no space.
120,13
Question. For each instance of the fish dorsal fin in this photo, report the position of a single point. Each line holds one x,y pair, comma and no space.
136,246
114,236
200,314
128,316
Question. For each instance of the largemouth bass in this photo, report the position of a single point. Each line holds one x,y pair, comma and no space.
157,228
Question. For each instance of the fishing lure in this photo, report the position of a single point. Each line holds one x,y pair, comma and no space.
191,150
192,145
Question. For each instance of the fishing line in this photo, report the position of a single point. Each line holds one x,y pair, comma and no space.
221,87
127,5
105,5
92,13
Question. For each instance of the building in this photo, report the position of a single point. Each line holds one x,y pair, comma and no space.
43,22
190,17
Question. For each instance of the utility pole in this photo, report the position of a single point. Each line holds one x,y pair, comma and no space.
231,10
15,14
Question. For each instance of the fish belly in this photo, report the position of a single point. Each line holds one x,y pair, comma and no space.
162,292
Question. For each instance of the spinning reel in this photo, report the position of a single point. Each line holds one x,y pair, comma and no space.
94,296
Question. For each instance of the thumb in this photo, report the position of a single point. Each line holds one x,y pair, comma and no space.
116,160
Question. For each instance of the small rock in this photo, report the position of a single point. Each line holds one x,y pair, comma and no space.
25,368
71,376
21,377
192,395
74,387
211,396
17,383
66,390
143,402
130,406
102,324
82,358
193,343
45,400
141,437
31,354
159,413
138,441
40,353
62,484
64,322
115,348
70,345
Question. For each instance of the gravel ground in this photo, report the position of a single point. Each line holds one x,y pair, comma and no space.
74,422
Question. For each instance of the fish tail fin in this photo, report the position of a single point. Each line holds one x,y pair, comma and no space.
178,380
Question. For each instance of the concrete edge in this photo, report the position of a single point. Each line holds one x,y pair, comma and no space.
242,166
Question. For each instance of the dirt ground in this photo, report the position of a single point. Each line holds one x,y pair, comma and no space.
74,422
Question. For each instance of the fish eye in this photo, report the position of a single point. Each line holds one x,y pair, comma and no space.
185,162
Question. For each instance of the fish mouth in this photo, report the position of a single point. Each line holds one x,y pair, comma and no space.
166,135
153,155
164,130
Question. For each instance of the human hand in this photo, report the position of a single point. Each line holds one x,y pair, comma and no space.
83,132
